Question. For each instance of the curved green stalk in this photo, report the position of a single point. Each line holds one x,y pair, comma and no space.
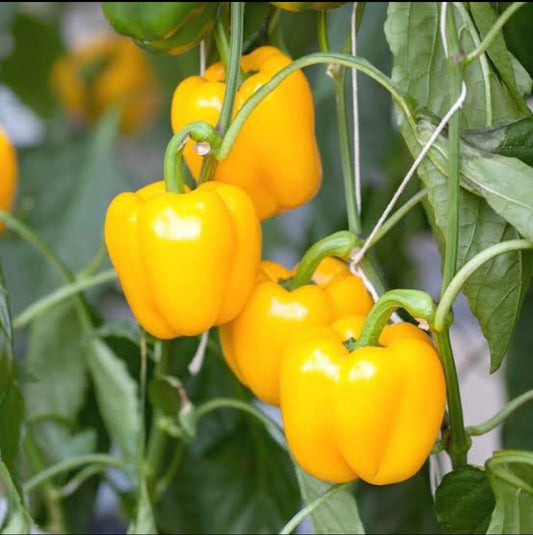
199,131
59,295
453,289
70,464
500,416
306,61
339,244
419,304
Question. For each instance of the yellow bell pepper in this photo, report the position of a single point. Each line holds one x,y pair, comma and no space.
8,174
109,71
253,342
372,413
275,157
186,261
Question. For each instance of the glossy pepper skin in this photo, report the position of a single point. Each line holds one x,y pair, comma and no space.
186,261
275,157
166,27
8,174
109,71
374,413
253,342
296,7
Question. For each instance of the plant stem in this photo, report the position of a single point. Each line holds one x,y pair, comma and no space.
69,464
393,220
158,438
453,289
296,520
170,472
454,140
419,304
233,67
232,54
493,32
322,30
172,165
59,295
339,244
501,416
458,443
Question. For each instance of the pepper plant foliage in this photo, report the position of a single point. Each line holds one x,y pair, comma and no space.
92,406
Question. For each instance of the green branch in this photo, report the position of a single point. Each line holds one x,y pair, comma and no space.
493,32
501,416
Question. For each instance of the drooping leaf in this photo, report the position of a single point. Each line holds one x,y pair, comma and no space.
517,429
511,478
484,17
116,393
464,501
339,514
505,183
495,292
518,35
514,139
57,363
18,521
420,68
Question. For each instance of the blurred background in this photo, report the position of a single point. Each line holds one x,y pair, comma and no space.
74,160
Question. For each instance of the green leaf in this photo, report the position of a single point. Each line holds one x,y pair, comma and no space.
18,520
37,45
116,393
402,508
11,401
514,139
518,36
464,501
519,377
57,363
144,520
339,514
97,182
420,68
511,477
505,183
234,477
484,17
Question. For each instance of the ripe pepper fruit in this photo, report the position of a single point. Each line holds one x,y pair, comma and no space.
186,261
373,413
8,174
167,27
252,343
275,157
109,71
297,7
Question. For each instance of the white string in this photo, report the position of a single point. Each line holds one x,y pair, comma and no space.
196,363
443,8
356,152
202,57
359,254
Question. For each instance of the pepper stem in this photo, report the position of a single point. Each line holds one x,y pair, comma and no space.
198,131
339,244
419,304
